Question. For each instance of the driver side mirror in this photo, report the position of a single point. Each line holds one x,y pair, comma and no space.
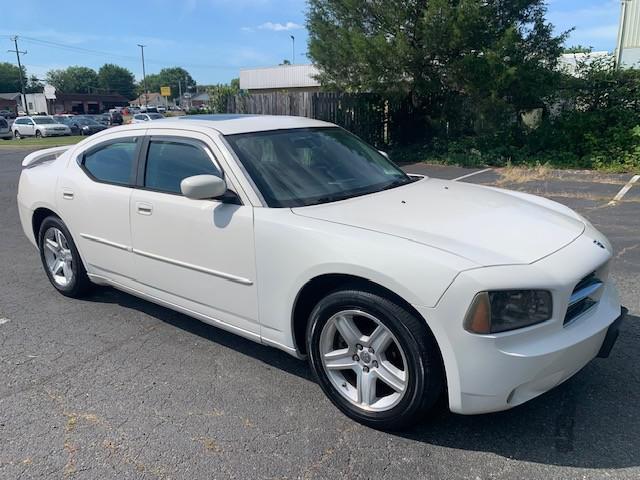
201,187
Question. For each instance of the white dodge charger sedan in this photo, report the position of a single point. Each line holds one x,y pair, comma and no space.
294,233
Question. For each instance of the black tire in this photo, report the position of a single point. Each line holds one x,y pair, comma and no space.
38,134
426,377
80,283
17,135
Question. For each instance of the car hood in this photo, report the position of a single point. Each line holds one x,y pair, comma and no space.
484,225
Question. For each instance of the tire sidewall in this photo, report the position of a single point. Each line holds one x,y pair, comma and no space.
73,288
379,307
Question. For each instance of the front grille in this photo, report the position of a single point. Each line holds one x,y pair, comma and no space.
583,297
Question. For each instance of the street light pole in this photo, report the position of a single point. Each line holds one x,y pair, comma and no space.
24,95
144,76
293,49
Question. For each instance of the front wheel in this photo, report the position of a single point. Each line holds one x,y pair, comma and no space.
61,260
17,135
38,134
375,360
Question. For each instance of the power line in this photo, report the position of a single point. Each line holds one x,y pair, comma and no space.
100,53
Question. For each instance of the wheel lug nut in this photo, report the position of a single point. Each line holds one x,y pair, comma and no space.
375,364
365,368
356,358
371,350
359,347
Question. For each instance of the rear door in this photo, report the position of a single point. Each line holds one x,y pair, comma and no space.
94,201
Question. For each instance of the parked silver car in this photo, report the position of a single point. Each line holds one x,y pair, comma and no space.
38,127
5,130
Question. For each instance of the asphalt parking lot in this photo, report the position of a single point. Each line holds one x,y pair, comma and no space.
116,387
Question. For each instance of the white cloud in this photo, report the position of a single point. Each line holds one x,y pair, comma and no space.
279,27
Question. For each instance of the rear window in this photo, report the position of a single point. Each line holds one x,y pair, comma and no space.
3,123
112,163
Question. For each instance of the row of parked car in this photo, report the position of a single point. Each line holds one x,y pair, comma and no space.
66,124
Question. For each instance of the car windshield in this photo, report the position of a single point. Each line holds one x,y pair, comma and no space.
299,167
86,121
43,120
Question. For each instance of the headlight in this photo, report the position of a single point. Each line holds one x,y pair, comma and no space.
503,310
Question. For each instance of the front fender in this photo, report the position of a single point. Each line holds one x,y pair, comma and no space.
292,250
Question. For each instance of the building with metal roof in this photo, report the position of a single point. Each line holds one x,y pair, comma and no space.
280,78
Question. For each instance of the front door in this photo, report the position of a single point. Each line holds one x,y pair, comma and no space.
197,254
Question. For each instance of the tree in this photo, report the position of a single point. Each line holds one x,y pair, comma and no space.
74,79
113,78
458,64
578,49
10,77
218,95
168,77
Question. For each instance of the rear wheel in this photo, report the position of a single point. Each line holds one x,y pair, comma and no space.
376,361
61,260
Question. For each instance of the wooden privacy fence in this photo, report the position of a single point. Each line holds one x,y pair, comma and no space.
376,120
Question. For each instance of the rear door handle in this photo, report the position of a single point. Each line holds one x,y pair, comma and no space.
67,194
144,208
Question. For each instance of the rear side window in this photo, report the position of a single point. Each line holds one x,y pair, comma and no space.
112,163
169,162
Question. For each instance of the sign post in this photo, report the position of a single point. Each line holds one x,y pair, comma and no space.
166,93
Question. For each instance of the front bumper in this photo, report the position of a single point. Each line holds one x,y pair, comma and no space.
487,373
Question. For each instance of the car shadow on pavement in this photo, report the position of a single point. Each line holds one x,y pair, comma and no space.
268,355
590,421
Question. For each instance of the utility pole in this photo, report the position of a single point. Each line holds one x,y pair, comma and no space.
144,76
18,52
180,91
293,49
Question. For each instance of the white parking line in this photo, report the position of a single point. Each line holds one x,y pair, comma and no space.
471,174
624,190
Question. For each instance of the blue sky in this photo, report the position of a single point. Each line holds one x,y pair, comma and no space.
212,39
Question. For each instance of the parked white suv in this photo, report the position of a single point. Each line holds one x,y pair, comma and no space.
38,127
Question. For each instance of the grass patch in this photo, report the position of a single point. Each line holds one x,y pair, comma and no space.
511,174
41,142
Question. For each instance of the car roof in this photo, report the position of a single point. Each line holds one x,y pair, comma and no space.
230,124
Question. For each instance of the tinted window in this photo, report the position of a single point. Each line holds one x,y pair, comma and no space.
294,168
169,162
112,163
139,117
44,120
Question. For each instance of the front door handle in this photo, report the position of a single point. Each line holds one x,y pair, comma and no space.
144,208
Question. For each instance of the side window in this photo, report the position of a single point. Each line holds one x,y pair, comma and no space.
113,162
169,162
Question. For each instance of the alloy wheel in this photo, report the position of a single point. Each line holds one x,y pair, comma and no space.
58,257
363,360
